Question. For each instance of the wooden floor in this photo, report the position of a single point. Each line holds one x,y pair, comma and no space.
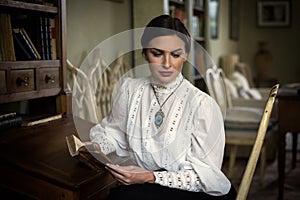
270,190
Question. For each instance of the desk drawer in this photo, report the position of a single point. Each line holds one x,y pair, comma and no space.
22,80
49,78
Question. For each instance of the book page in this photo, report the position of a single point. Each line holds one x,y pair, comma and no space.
74,144
88,151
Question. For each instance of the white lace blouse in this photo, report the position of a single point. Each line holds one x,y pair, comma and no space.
185,152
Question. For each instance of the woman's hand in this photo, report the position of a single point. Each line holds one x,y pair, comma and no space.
131,174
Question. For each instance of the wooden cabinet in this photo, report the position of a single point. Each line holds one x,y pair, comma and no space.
35,162
24,77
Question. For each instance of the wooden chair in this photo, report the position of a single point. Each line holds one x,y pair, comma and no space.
83,101
251,165
92,87
241,123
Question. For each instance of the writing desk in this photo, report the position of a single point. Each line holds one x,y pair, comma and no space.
289,121
35,164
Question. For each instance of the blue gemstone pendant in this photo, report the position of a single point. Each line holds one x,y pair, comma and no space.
159,118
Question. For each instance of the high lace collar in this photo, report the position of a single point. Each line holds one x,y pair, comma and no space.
160,87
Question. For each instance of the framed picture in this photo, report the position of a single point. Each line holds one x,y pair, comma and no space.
213,7
234,10
273,13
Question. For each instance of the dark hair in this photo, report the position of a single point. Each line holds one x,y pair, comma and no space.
165,25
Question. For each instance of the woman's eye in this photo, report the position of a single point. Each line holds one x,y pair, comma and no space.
156,54
175,55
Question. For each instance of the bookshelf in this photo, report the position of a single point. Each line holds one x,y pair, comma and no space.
33,57
194,14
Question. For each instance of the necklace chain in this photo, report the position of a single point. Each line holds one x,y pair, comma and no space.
161,105
164,101
160,115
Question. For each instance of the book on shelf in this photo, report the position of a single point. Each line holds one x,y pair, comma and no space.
53,39
199,4
6,38
177,12
87,153
4,116
47,38
21,51
42,37
37,27
50,29
25,45
30,43
199,63
196,26
9,120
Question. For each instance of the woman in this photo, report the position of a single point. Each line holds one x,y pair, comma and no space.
173,131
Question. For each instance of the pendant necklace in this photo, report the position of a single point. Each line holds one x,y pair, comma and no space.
160,115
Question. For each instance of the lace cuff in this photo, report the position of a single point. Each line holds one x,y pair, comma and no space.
185,180
106,146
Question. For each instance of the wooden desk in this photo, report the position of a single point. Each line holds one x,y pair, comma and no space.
35,164
289,121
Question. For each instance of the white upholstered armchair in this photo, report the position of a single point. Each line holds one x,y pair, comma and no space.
241,122
243,93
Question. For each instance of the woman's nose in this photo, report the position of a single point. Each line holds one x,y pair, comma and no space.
167,62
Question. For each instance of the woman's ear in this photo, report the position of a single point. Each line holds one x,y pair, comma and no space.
186,55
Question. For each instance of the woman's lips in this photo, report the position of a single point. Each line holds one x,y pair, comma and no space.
165,73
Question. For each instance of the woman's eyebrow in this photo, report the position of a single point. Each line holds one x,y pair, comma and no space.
161,50
177,50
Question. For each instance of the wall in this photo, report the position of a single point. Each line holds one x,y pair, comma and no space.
90,22
284,43
143,12
223,44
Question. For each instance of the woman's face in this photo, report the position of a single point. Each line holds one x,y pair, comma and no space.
166,55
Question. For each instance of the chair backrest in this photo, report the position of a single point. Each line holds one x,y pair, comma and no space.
92,87
251,165
217,89
228,63
245,69
83,101
122,69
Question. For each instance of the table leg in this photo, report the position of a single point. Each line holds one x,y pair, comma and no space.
281,164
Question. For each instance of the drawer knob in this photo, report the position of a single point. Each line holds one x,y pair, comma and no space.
23,81
50,78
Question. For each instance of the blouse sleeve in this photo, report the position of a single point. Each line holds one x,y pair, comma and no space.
110,132
202,169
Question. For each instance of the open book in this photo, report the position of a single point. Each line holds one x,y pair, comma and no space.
87,153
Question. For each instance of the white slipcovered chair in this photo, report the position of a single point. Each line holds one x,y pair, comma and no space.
240,84
243,92
241,123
